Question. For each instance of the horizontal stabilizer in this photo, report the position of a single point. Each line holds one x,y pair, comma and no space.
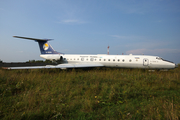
45,47
32,38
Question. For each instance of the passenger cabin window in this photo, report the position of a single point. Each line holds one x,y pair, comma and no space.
78,59
118,60
123,60
104,59
82,59
109,60
113,59
99,59
130,60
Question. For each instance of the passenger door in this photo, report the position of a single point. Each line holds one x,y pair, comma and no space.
145,62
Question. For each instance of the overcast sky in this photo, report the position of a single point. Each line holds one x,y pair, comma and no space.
150,27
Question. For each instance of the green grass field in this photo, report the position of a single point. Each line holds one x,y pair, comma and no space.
99,93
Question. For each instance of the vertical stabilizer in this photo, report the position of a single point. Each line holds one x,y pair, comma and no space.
46,48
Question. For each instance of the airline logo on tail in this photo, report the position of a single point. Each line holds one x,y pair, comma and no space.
45,46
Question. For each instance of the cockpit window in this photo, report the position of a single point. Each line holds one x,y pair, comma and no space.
167,61
163,59
159,58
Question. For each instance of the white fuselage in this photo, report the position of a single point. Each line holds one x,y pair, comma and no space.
122,61
100,60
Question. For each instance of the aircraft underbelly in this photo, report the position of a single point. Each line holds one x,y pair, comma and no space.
124,65
164,66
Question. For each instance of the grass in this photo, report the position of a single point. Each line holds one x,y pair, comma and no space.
99,93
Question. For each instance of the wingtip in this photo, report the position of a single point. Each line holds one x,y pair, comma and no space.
5,68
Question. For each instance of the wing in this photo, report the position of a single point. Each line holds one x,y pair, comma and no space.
61,66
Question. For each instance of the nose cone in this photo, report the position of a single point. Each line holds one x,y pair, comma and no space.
171,65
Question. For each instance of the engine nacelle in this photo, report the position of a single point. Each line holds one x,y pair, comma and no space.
52,57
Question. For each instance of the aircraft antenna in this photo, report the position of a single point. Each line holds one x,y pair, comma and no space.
108,50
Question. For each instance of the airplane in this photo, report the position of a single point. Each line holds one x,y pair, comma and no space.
100,60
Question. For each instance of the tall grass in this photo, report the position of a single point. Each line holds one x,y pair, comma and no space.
99,93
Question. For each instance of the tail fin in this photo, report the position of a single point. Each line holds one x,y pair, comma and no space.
45,47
